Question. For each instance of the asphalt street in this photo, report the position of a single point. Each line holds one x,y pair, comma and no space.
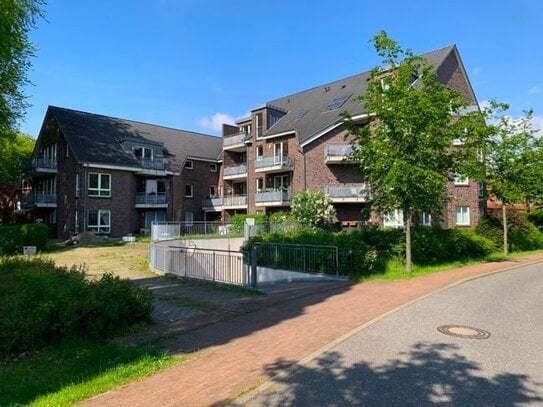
403,360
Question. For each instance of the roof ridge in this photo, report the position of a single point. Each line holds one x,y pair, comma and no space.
132,121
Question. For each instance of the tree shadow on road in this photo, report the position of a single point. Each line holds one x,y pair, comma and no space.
426,375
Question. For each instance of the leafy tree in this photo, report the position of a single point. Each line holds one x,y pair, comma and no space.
15,152
405,152
313,209
17,17
512,164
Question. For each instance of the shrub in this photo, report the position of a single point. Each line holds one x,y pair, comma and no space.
491,228
536,217
522,234
14,237
238,221
313,209
522,239
40,303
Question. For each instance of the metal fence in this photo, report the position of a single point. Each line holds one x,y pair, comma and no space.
303,258
221,266
172,230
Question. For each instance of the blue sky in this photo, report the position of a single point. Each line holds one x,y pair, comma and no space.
192,64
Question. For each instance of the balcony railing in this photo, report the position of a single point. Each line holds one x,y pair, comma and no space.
41,164
151,200
276,163
337,153
39,199
232,140
348,193
225,202
273,198
157,165
235,172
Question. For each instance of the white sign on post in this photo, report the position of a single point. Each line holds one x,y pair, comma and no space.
29,250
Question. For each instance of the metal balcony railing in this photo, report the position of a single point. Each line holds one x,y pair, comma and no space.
38,198
337,152
151,199
235,170
152,164
275,197
225,201
231,140
359,192
283,162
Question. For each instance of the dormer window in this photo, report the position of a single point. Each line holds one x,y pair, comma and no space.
189,165
144,153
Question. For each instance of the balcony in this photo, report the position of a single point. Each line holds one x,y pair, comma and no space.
39,200
235,142
41,165
274,164
273,198
235,172
337,153
348,193
151,167
151,201
226,202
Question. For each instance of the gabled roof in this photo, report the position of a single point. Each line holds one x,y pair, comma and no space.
314,110
99,139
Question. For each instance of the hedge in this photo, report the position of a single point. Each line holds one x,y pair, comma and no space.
40,303
14,237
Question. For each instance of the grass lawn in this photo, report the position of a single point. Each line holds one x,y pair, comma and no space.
68,372
395,268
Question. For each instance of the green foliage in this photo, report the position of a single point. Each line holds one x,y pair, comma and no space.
238,221
313,209
367,250
40,303
536,217
15,152
14,237
523,235
405,151
16,19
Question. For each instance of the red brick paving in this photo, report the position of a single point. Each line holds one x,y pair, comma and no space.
236,351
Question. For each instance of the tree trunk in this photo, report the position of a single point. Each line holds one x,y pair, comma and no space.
505,240
408,261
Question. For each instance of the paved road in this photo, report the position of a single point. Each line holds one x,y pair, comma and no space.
403,360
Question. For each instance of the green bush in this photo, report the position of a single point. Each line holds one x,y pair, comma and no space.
522,235
238,221
521,239
313,209
14,237
40,303
491,228
536,217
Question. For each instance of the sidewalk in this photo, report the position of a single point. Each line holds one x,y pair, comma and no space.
234,353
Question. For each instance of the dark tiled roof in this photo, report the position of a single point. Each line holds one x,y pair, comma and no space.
307,114
99,139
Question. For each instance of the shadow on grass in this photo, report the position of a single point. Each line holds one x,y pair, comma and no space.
29,378
426,375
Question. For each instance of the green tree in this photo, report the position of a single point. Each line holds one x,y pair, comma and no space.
15,152
512,166
17,17
313,209
405,152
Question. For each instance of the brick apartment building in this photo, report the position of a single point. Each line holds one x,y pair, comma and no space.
298,142
113,176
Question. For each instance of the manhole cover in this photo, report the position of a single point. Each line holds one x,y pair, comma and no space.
462,331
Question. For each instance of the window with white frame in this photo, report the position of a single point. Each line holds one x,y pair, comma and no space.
143,153
213,167
189,165
426,219
189,190
99,184
259,184
460,179
189,218
393,219
99,221
462,216
480,190
259,152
